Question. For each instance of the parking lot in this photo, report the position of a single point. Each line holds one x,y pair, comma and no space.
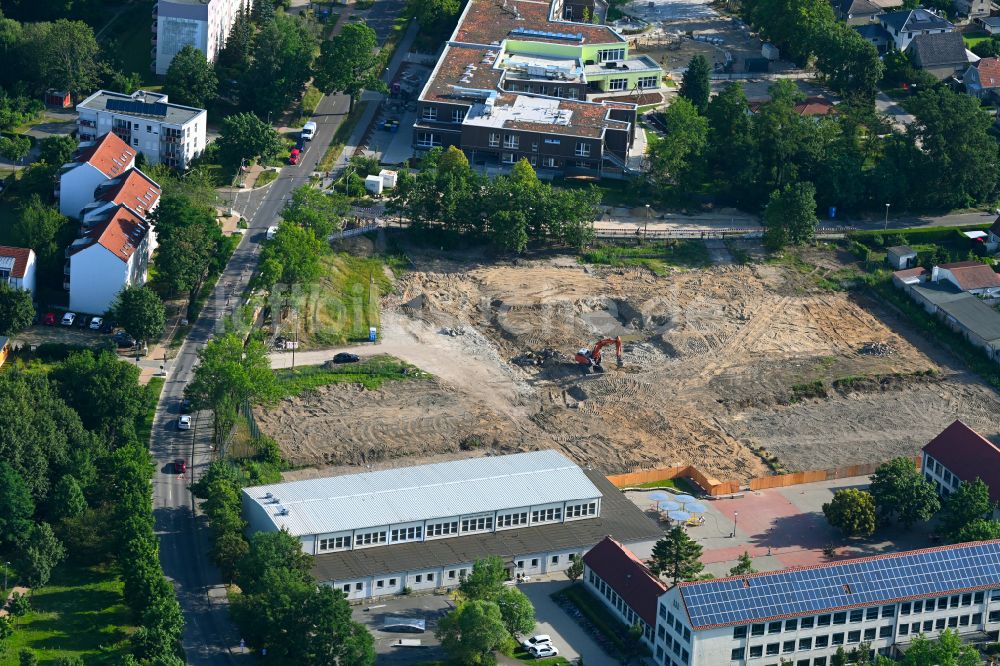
429,608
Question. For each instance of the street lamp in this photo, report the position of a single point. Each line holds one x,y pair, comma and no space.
736,515
645,231
886,225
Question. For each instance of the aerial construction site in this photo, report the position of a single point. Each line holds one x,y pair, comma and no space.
739,370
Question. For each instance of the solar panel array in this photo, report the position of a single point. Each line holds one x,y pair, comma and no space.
572,37
873,581
137,108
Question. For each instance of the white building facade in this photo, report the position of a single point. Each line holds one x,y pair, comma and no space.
203,24
803,616
147,122
17,267
98,160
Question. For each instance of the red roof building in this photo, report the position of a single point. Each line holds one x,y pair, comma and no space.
959,454
972,276
619,578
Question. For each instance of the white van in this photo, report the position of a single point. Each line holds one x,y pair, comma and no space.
271,231
308,131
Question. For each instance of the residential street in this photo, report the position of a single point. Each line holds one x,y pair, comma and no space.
900,118
209,635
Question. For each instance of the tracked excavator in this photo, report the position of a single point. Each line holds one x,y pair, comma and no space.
590,359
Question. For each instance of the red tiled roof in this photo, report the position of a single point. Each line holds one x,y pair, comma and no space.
21,256
136,190
968,455
628,576
120,234
109,155
973,275
989,72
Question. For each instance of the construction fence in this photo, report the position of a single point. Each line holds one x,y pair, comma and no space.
715,488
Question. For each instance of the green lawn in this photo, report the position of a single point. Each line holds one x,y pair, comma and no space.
145,427
265,177
80,613
340,137
370,374
657,256
972,40
523,655
679,484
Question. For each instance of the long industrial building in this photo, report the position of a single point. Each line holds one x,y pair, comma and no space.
378,533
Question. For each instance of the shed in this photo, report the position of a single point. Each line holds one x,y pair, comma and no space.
374,184
388,178
58,98
769,51
901,257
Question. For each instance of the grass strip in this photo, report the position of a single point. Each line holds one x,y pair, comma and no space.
371,374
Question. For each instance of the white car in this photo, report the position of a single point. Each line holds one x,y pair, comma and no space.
271,231
536,641
543,650
308,131
68,319
95,323
184,422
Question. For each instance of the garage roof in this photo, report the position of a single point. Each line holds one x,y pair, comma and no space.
409,494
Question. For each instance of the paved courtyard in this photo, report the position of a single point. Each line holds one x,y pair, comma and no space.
783,527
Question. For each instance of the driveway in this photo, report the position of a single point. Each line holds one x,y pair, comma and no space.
900,118
566,634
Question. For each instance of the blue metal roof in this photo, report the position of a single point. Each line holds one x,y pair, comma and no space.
871,580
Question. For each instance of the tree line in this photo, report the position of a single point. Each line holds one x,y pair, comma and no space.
853,160
71,461
509,211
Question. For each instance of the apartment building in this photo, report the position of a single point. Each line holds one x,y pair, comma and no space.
803,615
17,267
517,81
147,122
97,160
959,454
203,24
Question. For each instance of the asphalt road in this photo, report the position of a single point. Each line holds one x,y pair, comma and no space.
209,635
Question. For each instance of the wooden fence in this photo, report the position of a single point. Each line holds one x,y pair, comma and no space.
715,488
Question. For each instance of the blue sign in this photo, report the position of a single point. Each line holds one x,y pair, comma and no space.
372,334
833,212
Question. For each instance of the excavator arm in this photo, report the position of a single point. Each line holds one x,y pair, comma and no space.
601,344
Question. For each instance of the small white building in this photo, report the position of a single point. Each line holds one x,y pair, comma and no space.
374,184
203,24
901,257
96,162
973,277
147,122
17,267
113,254
422,528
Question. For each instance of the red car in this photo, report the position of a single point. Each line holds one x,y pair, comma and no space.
49,319
293,158
180,466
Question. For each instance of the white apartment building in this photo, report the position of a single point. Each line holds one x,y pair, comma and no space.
147,122
204,24
803,615
17,267
423,527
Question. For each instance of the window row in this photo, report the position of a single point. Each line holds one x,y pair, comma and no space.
614,599
335,543
512,519
675,624
546,515
679,652
940,603
579,510
942,623
812,642
442,529
407,534
481,524
794,624
369,538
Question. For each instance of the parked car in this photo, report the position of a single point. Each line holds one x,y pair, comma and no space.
180,466
81,321
68,319
271,231
344,357
96,323
107,326
184,422
293,157
536,641
543,650
185,406
49,319
308,131
123,339
301,144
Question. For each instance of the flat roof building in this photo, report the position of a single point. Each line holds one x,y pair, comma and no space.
377,533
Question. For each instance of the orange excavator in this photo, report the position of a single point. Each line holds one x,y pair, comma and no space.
590,359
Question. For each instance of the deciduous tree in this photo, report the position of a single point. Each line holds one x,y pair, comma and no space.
16,309
15,148
67,499
38,228
472,632
486,580
140,312
57,150
516,610
190,78
575,570
348,63
283,57
297,250
68,57
38,555
104,391
15,497
900,491
312,209
677,159
790,216
245,137
970,502
852,511
947,649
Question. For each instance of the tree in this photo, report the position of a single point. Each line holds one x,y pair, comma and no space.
19,604
744,566
313,209
67,59
104,391
730,149
15,497
575,570
433,14
978,530
297,250
839,658
190,78
516,610
852,511
695,84
15,148
790,216
234,58
283,57
472,632
348,63
228,550
851,64
677,158
140,312
677,555
900,491
190,244
39,554
57,150
947,649
970,502
27,658
17,312
486,580
38,227
67,499
245,137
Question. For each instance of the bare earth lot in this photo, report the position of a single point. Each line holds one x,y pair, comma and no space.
712,359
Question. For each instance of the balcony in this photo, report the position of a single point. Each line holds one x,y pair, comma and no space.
152,27
156,9
66,270
83,122
152,40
